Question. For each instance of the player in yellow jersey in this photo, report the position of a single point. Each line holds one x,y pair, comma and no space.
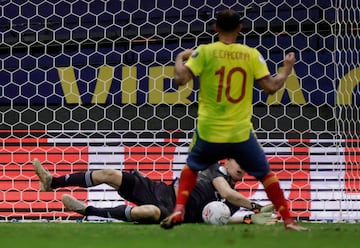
227,72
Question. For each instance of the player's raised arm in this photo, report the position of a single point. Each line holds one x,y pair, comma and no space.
182,74
272,84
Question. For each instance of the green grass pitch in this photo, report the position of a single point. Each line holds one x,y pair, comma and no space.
60,234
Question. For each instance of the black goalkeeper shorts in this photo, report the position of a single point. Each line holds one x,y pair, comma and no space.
141,190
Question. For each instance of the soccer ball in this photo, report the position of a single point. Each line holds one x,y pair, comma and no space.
216,213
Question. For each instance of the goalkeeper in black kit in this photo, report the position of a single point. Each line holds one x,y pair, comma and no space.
155,200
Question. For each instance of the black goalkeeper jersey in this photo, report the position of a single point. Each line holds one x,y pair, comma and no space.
142,190
205,192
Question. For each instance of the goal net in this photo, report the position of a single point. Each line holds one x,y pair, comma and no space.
87,85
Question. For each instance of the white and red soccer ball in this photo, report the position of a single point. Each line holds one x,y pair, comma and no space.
216,213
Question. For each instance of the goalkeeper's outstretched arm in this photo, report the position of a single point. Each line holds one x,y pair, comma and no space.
236,198
246,217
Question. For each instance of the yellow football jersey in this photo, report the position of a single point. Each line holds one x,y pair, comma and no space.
226,73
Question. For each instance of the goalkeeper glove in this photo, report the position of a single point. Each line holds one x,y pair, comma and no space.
257,208
261,218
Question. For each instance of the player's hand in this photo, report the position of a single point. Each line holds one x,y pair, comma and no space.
289,60
267,209
264,218
258,208
185,55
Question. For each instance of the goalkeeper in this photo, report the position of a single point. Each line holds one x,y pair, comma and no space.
155,200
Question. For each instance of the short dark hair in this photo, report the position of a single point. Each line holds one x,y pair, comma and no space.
228,20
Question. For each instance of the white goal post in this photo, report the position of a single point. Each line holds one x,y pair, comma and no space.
88,85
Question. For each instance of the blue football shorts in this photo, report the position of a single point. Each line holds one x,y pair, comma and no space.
249,154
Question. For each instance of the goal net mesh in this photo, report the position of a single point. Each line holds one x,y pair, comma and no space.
87,85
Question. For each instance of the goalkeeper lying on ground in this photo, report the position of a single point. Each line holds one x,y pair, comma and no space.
155,200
